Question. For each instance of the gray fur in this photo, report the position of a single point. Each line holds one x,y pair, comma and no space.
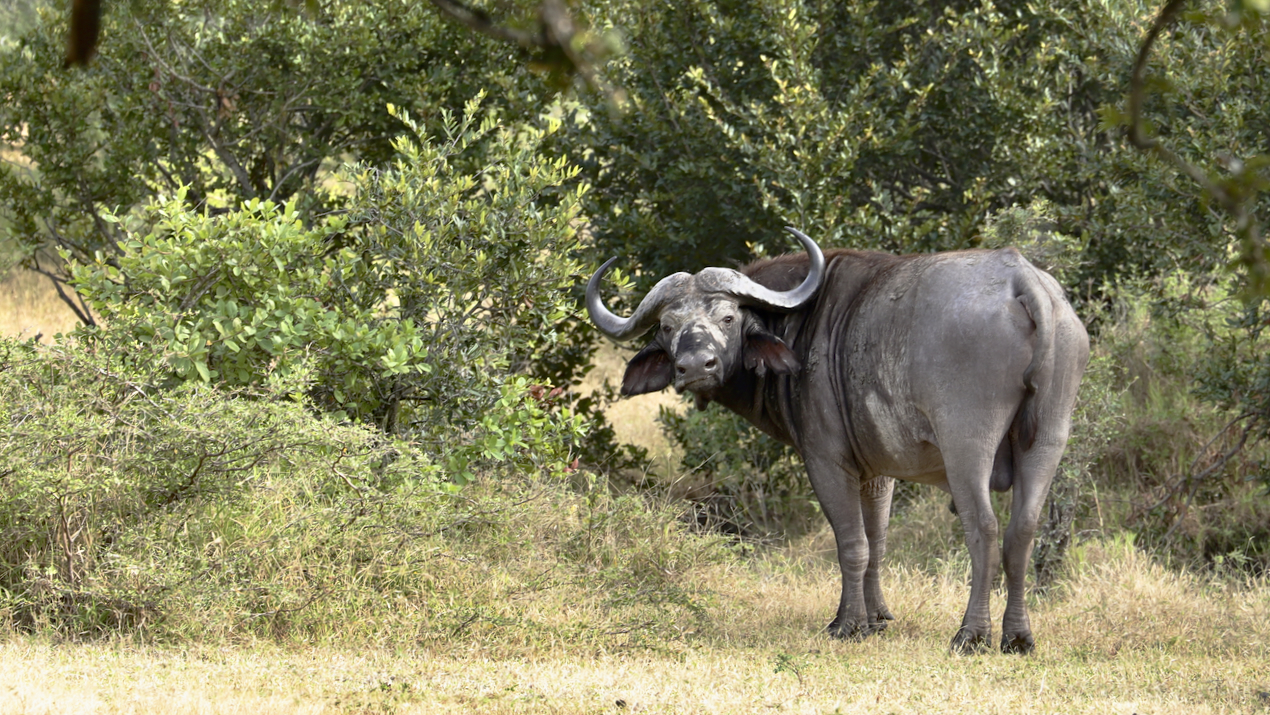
957,369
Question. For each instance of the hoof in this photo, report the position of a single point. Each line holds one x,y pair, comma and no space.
969,643
1020,644
882,616
855,631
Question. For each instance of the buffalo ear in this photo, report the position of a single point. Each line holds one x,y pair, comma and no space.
764,351
649,371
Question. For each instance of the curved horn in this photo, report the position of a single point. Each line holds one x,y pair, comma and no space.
741,286
643,317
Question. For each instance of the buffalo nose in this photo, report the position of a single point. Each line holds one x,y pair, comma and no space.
696,364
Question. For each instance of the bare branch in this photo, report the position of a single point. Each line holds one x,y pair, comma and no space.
1137,81
1219,464
81,311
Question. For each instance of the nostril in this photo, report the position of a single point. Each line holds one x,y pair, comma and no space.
681,369
711,363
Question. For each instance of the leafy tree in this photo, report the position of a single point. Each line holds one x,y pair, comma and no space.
1209,139
230,99
16,16
909,127
416,309
904,127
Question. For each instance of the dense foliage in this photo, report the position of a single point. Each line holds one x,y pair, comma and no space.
97,460
932,127
232,100
904,127
412,309
192,512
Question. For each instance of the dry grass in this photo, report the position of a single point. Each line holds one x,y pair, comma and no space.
1122,636
29,306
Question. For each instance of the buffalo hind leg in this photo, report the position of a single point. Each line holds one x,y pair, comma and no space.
1037,470
875,499
839,496
968,474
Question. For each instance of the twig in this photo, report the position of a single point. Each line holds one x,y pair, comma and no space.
1198,479
1173,490
83,315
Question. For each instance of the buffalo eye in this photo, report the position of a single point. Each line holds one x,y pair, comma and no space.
665,329
727,319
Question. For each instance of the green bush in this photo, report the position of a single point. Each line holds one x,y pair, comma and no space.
94,457
190,512
905,126
418,309
231,99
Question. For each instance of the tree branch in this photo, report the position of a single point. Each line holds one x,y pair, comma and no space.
480,21
1234,204
83,314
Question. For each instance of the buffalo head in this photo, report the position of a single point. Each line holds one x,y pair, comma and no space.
707,328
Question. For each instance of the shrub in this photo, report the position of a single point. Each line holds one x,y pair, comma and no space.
94,456
1182,473
229,99
740,480
412,310
191,512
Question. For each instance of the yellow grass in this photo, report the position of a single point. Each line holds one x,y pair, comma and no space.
1121,636
29,306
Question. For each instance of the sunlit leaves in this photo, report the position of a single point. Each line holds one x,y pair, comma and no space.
232,99
411,310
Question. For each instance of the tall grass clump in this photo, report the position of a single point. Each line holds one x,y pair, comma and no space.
739,480
104,471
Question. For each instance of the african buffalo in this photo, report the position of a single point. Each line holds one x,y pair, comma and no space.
954,369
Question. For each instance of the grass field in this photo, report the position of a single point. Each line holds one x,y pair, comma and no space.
1120,636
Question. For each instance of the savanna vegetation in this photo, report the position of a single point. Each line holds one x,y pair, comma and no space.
318,439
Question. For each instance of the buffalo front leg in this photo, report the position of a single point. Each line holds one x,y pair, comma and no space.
839,497
875,501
